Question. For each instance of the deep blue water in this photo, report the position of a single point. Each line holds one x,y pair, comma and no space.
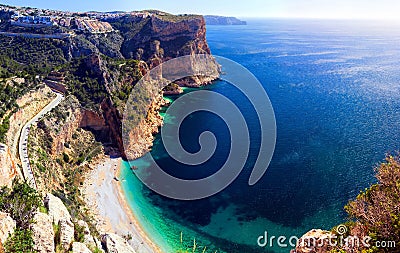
334,87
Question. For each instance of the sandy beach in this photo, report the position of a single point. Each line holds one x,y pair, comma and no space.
105,198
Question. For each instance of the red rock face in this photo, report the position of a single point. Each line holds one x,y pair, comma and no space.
174,38
105,125
194,30
155,41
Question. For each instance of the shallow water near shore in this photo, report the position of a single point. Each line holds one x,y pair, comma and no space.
334,88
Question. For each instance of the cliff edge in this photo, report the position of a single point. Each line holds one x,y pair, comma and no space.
97,72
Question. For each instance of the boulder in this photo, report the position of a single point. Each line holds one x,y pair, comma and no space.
57,209
314,241
7,226
66,233
78,247
116,244
43,233
83,224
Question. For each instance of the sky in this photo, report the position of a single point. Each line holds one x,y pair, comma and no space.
328,9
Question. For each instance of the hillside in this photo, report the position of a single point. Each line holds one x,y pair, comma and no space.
99,69
95,60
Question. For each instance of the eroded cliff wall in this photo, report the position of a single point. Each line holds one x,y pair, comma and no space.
151,41
100,74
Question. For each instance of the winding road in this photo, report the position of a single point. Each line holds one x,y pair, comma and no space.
23,141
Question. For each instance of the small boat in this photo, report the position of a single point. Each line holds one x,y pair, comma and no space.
134,167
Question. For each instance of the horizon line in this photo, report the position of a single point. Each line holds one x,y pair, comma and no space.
341,18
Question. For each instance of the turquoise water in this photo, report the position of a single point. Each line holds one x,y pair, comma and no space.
335,90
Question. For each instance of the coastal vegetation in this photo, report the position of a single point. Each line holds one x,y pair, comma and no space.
173,18
83,83
97,74
85,80
63,173
127,73
22,203
28,59
376,210
373,224
20,241
129,26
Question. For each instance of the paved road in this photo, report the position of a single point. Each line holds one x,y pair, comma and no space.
37,36
23,141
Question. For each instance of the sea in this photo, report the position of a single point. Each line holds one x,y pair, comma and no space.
335,90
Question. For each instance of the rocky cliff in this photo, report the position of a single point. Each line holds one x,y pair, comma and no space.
7,226
141,43
57,231
100,71
160,37
97,75
28,105
8,168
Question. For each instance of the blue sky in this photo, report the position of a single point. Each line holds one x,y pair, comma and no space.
364,9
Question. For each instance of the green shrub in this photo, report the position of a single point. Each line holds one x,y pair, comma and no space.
20,242
79,233
377,209
21,202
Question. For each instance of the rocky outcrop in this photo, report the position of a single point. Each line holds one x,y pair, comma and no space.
88,239
152,40
61,133
105,124
92,120
7,226
140,139
115,244
78,247
172,90
8,170
314,241
98,68
66,233
56,208
164,37
43,233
